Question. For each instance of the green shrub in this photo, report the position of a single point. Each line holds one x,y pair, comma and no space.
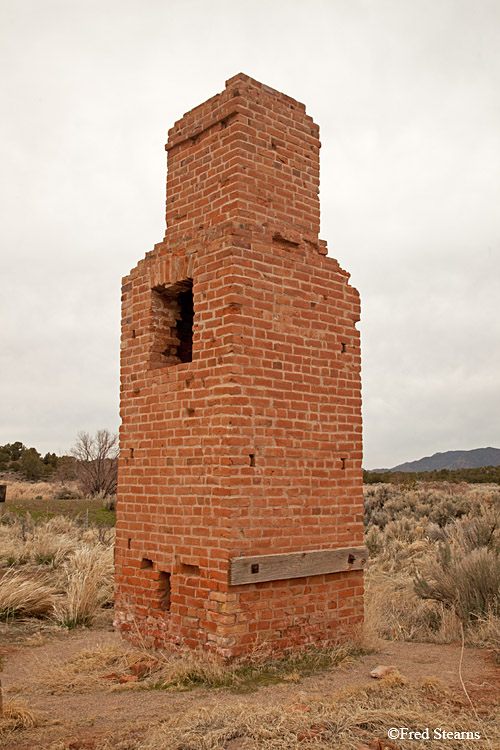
468,581
465,573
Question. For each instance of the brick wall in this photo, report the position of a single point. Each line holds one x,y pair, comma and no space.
241,424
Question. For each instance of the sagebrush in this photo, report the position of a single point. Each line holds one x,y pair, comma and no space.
434,561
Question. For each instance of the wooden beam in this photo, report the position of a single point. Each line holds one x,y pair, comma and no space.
295,564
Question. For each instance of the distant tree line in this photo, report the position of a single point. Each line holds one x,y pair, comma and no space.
479,475
31,465
93,463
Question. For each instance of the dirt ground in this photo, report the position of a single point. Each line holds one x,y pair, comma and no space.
77,720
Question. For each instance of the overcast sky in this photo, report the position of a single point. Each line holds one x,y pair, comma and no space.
407,96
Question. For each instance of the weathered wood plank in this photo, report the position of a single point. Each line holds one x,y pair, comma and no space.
295,564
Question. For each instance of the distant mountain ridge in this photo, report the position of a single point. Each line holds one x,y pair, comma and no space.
472,459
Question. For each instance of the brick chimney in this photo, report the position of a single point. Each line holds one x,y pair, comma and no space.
240,511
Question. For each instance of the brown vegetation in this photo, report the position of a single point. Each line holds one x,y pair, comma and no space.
58,569
422,584
45,500
17,715
343,719
435,562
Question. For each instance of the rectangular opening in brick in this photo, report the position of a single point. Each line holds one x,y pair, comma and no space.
172,324
146,563
190,570
164,591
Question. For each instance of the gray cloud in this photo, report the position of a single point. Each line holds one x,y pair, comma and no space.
407,95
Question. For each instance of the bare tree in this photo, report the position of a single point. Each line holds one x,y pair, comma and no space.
97,457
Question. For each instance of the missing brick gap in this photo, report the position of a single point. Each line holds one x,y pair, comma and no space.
189,570
190,412
129,541
164,590
343,348
146,563
342,463
131,453
251,456
133,333
279,239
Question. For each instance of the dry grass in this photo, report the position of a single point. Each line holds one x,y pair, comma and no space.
468,582
55,569
487,633
88,585
343,719
9,546
17,490
183,669
47,548
87,670
16,715
187,669
397,614
25,596
50,542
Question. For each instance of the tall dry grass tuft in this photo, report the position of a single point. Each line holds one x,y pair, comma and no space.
16,715
88,585
487,633
45,547
58,555
10,544
62,525
25,596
